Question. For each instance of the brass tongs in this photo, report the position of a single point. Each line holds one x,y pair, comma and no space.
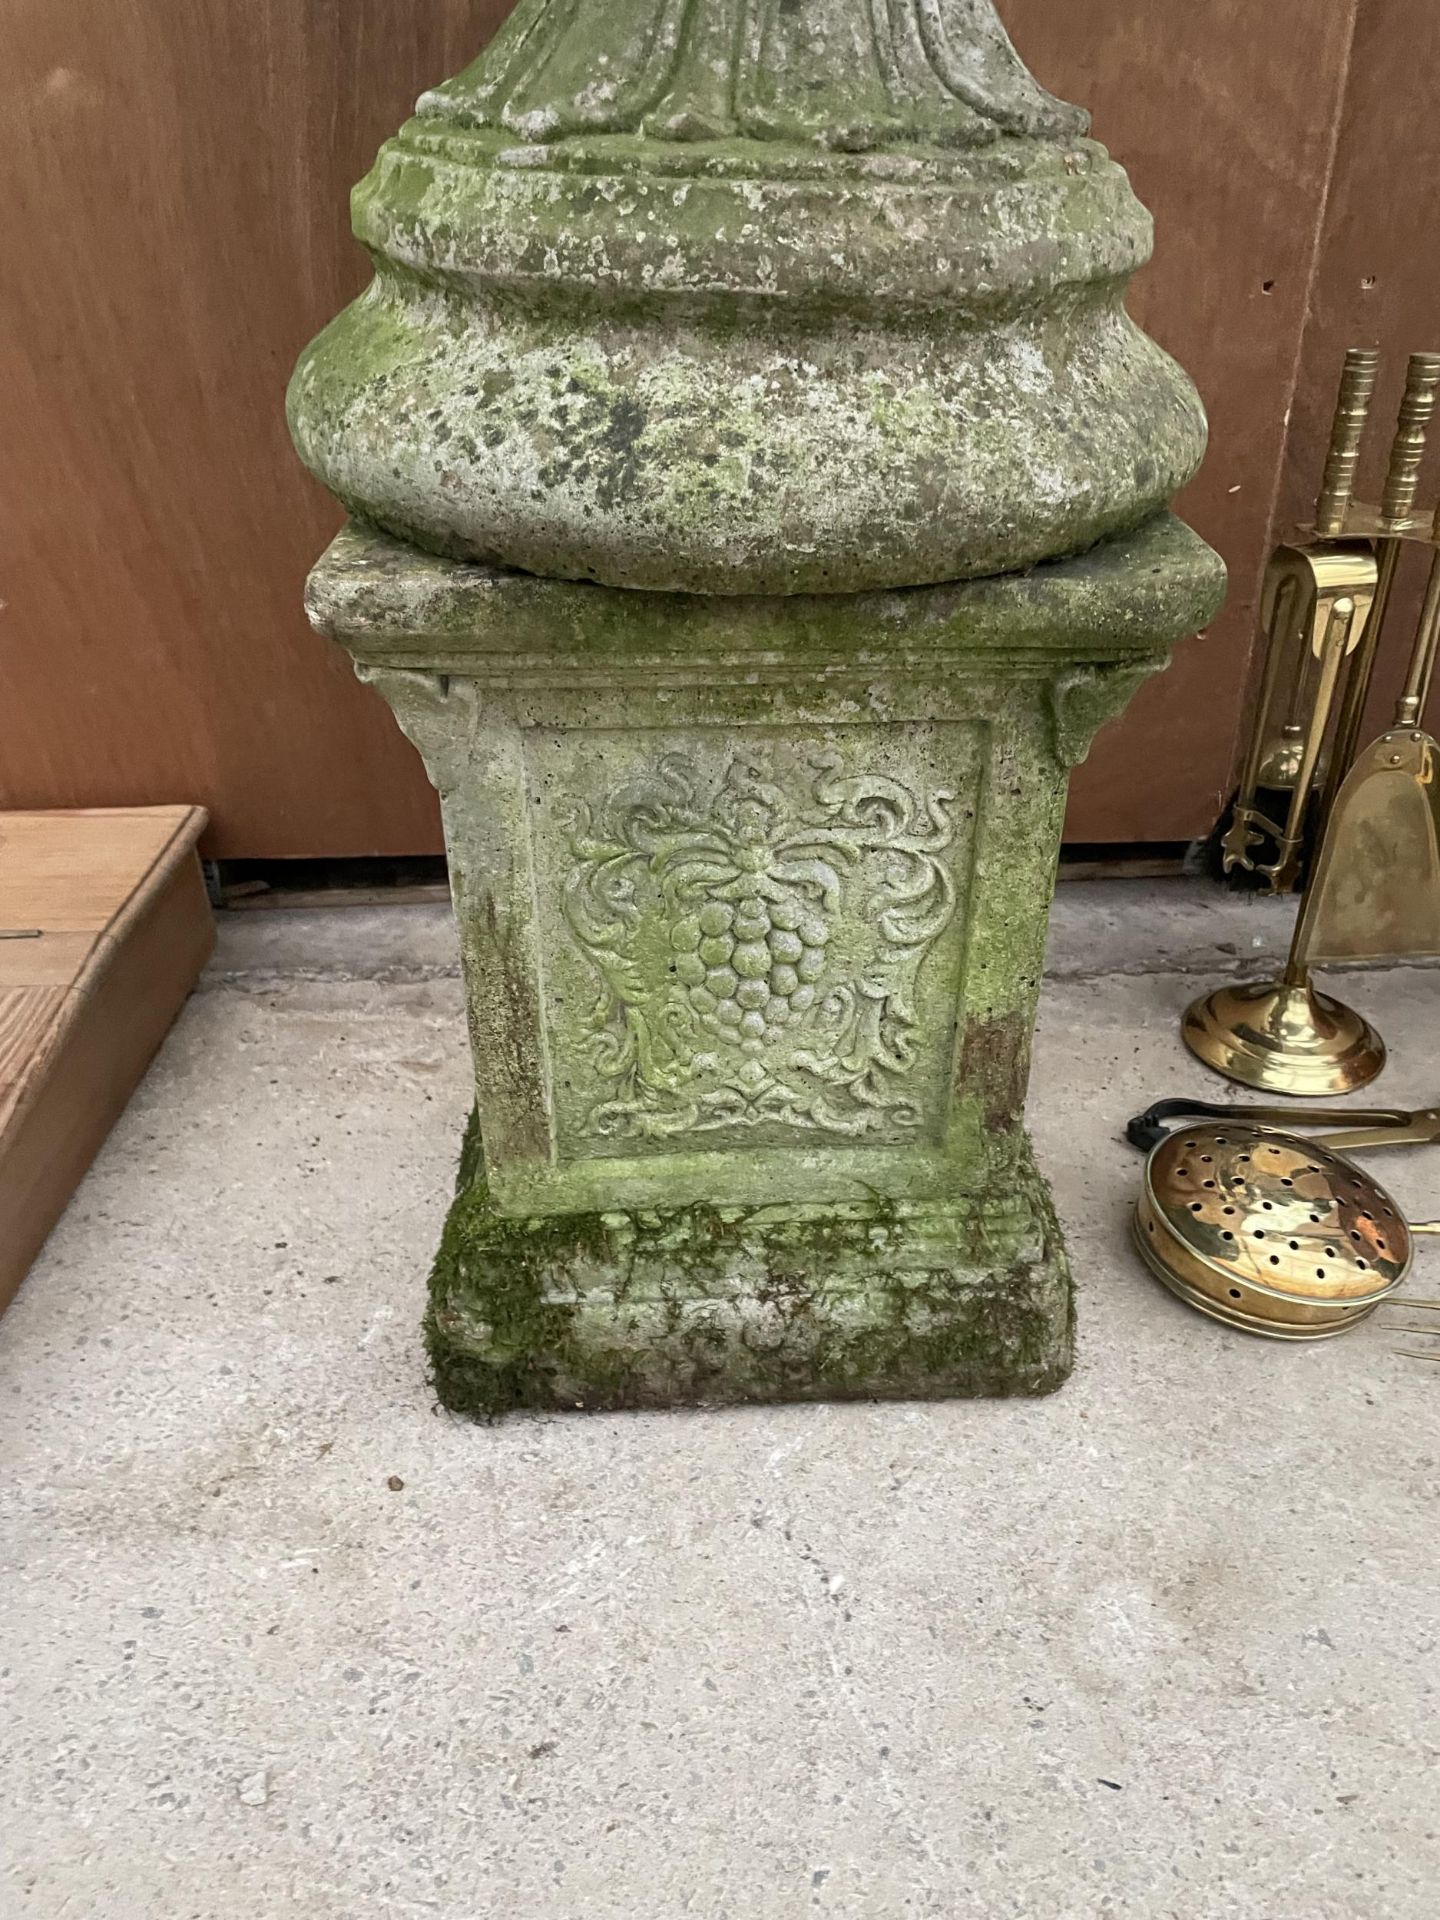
1431,1332
1368,1126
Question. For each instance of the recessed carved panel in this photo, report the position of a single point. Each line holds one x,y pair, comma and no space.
750,938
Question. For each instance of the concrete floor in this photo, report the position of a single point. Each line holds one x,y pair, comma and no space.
280,1640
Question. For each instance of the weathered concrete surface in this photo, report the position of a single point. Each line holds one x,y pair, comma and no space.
857,1660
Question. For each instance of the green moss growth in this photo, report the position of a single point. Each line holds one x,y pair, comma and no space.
703,1305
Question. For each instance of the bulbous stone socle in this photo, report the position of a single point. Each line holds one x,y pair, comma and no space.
744,297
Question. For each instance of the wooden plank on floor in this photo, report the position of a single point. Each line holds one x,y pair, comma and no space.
27,1016
104,927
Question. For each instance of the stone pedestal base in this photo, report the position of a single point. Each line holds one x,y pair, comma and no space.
752,897
707,1305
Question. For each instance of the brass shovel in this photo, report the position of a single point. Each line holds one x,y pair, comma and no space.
1375,893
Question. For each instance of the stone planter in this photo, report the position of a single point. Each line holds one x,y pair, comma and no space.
752,879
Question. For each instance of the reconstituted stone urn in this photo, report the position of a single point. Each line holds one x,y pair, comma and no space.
758,501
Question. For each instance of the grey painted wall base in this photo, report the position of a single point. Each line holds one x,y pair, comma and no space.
706,1305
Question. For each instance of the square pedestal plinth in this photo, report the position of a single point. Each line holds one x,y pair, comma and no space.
752,896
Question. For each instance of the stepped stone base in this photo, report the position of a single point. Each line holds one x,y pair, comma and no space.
705,1305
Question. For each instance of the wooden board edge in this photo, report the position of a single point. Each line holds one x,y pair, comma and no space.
171,856
106,1039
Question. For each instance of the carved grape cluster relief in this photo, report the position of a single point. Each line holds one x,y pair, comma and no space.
757,940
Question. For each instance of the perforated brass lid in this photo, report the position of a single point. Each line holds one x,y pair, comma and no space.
1269,1232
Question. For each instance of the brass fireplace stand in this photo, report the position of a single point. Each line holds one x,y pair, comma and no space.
1324,609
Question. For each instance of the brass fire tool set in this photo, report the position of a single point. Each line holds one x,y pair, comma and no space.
1373,887
1242,1217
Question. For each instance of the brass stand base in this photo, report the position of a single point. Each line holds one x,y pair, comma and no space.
1284,1039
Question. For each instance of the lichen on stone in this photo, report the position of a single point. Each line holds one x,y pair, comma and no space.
704,1304
858,325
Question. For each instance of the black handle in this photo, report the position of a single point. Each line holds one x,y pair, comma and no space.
1148,1129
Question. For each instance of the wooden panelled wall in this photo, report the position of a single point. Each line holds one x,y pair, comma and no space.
175,229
